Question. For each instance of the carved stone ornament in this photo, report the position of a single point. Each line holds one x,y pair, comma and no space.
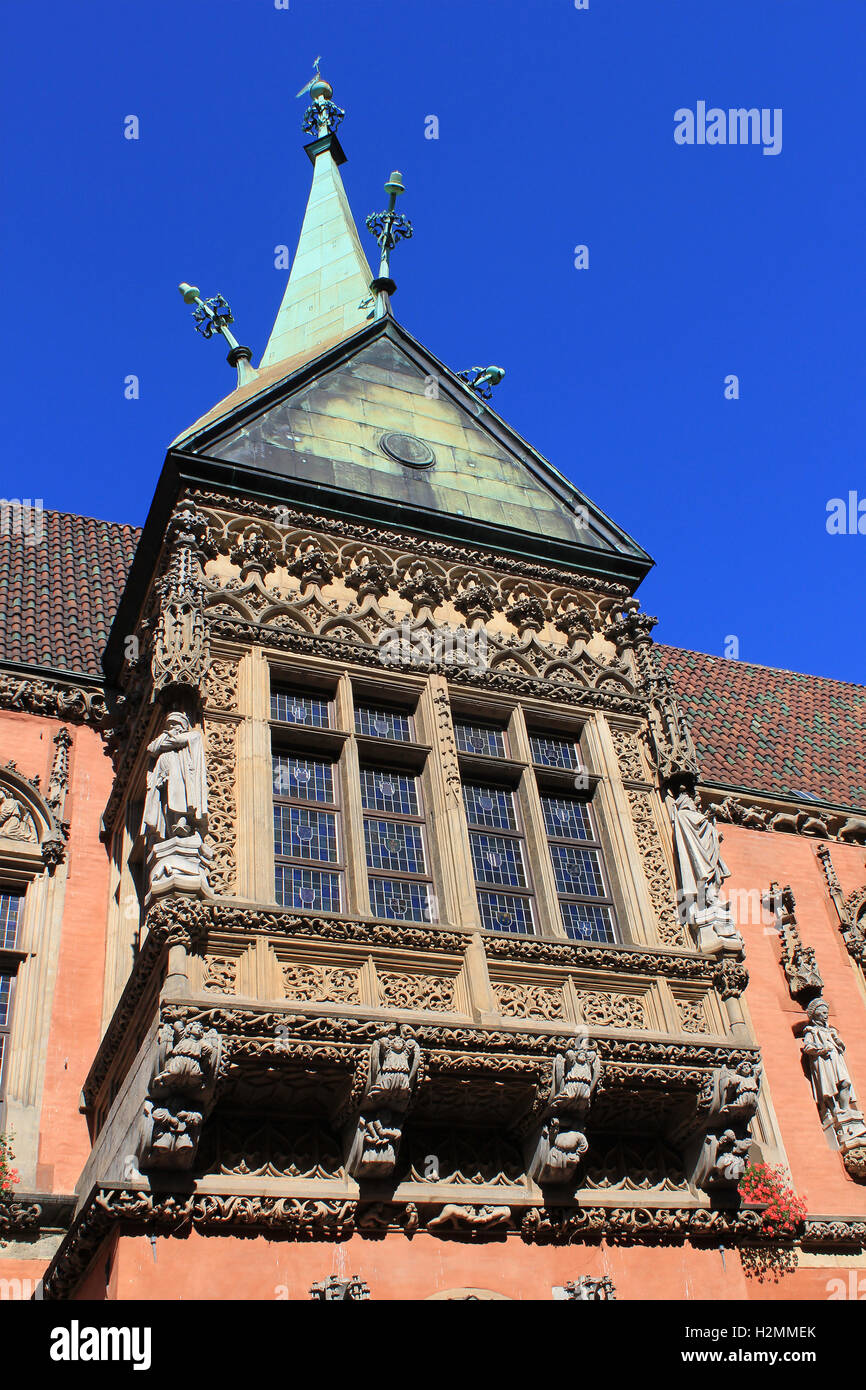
180,1096
723,1160
557,1143
373,1140
851,911
174,821
586,1289
334,1290
254,554
727,1105
798,961
180,646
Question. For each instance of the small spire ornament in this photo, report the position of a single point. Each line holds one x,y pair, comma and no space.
214,316
322,116
389,227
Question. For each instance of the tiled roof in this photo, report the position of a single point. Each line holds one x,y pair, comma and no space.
755,727
773,731
59,594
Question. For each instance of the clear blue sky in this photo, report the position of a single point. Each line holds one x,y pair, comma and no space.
556,129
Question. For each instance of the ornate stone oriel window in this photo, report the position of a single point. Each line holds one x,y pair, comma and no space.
394,841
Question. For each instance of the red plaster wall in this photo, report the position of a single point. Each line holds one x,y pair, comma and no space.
77,1006
395,1268
756,858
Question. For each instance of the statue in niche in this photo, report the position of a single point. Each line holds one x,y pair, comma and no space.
701,871
174,822
824,1050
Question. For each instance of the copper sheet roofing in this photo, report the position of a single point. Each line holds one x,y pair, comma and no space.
773,731
59,592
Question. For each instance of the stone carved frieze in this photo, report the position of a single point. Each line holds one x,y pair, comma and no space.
529,1001
611,1010
792,820
220,975
56,699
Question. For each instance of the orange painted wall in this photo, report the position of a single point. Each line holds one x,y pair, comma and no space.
396,1268
77,1007
756,858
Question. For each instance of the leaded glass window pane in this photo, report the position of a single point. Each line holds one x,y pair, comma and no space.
577,870
5,996
566,818
489,806
549,751
10,907
504,912
587,922
400,900
382,723
395,846
303,779
396,792
308,890
302,834
479,738
498,859
311,710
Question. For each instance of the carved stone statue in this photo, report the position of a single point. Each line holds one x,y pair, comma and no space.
455,1217
576,1073
181,1094
723,1160
556,1144
373,1139
701,871
738,1092
174,822
394,1062
824,1050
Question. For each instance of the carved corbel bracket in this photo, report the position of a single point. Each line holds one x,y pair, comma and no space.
181,1094
393,1070
556,1142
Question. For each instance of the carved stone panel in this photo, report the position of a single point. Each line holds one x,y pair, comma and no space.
220,739
220,975
417,992
670,931
326,984
529,1001
628,754
611,1010
221,685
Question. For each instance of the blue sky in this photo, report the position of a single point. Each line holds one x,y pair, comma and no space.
556,129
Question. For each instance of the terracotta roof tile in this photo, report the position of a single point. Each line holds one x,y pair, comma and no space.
59,594
773,731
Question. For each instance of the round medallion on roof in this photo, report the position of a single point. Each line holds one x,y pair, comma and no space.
405,448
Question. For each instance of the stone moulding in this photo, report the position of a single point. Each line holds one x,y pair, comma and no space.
134,1210
182,920
54,698
785,815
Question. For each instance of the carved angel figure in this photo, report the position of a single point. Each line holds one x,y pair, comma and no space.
576,1074
394,1062
191,1060
15,823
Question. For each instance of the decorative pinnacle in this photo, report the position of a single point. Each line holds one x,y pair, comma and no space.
214,316
481,380
322,116
389,227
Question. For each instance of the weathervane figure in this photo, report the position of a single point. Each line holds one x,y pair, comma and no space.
322,116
